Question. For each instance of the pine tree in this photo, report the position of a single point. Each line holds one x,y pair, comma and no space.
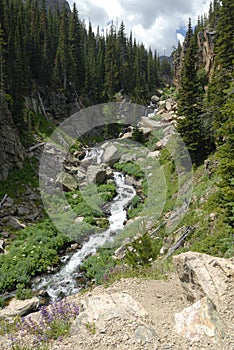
223,67
76,44
62,59
225,154
112,85
122,57
189,105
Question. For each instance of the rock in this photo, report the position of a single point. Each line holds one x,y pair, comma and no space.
4,234
169,130
168,106
204,275
166,117
155,99
19,308
2,246
12,152
200,319
110,155
154,154
13,222
79,219
32,217
96,174
109,312
128,157
158,146
22,211
68,181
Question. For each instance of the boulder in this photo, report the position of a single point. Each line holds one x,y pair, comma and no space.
68,181
155,99
204,275
200,319
96,174
110,155
14,222
115,314
154,154
19,308
23,210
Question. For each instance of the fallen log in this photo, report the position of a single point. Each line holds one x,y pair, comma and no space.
179,242
32,148
42,106
3,200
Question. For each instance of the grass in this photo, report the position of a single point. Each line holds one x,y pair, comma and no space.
18,180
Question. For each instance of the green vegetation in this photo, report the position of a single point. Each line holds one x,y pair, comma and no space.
32,252
97,265
130,168
14,186
54,322
91,327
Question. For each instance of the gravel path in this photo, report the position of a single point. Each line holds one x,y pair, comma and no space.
161,300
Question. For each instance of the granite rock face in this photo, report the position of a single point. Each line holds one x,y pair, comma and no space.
12,152
204,275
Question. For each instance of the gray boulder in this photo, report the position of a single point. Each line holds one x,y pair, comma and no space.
68,181
96,174
19,308
110,155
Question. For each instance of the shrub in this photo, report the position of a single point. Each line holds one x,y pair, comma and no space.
130,169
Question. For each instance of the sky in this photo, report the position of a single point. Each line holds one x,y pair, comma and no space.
158,24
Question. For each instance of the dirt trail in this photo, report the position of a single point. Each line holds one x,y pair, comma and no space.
161,300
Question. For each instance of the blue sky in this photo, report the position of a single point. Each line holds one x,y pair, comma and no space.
157,23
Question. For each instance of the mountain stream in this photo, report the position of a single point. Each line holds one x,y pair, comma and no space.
65,281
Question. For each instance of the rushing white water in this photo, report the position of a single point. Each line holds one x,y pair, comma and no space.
64,282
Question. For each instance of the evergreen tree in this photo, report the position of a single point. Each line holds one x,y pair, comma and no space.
62,60
225,154
223,67
123,60
191,127
76,44
112,85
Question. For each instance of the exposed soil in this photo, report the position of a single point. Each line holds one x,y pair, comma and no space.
161,300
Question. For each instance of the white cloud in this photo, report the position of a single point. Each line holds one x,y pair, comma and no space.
153,22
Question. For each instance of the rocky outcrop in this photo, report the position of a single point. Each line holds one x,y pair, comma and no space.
11,150
60,105
206,50
16,215
204,275
205,55
210,282
199,320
